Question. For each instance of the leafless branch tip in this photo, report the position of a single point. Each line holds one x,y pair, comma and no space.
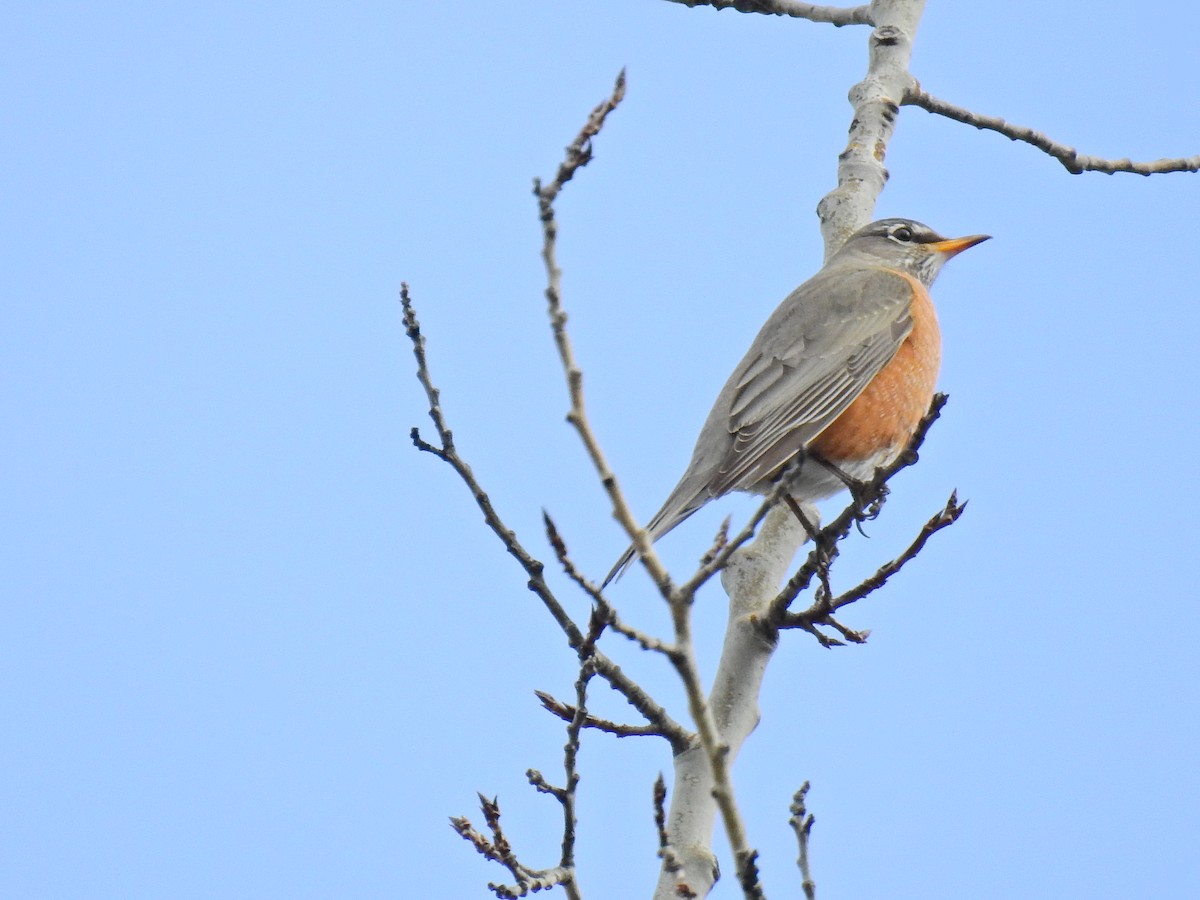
830,15
1072,160
498,849
665,852
567,712
802,822
867,500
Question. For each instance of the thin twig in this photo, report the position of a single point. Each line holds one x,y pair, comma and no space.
504,850
665,851
825,604
944,517
1073,161
603,607
865,506
832,15
579,154
539,783
498,849
568,566
867,501
634,694
802,822
854,637
719,555
746,862
682,655
579,151
566,712
720,540
569,794
448,453
462,825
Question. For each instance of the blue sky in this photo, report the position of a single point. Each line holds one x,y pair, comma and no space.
254,645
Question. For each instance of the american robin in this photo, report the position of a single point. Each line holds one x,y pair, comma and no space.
842,371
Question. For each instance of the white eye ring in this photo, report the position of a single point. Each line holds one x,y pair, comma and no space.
901,233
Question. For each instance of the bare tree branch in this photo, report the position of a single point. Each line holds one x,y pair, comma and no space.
665,852
748,875
720,540
579,151
718,556
682,655
499,850
825,604
832,15
634,694
1073,161
567,712
868,500
758,608
861,173
448,453
606,609
802,822
639,637
567,794
660,722
529,880
753,577
941,519
712,743
579,154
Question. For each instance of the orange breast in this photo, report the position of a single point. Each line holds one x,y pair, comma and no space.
885,415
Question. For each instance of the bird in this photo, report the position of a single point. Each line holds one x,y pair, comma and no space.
842,372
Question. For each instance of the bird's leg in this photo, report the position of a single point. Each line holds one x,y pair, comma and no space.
867,498
809,527
822,548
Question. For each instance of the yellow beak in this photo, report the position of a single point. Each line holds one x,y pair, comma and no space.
955,246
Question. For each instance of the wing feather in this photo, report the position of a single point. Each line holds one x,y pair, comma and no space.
813,357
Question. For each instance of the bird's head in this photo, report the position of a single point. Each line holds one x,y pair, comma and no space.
907,245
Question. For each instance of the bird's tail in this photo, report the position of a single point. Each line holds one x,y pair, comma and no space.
684,501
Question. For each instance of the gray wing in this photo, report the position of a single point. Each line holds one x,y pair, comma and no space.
811,360
815,355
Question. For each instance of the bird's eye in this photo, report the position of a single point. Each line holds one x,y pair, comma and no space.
902,233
